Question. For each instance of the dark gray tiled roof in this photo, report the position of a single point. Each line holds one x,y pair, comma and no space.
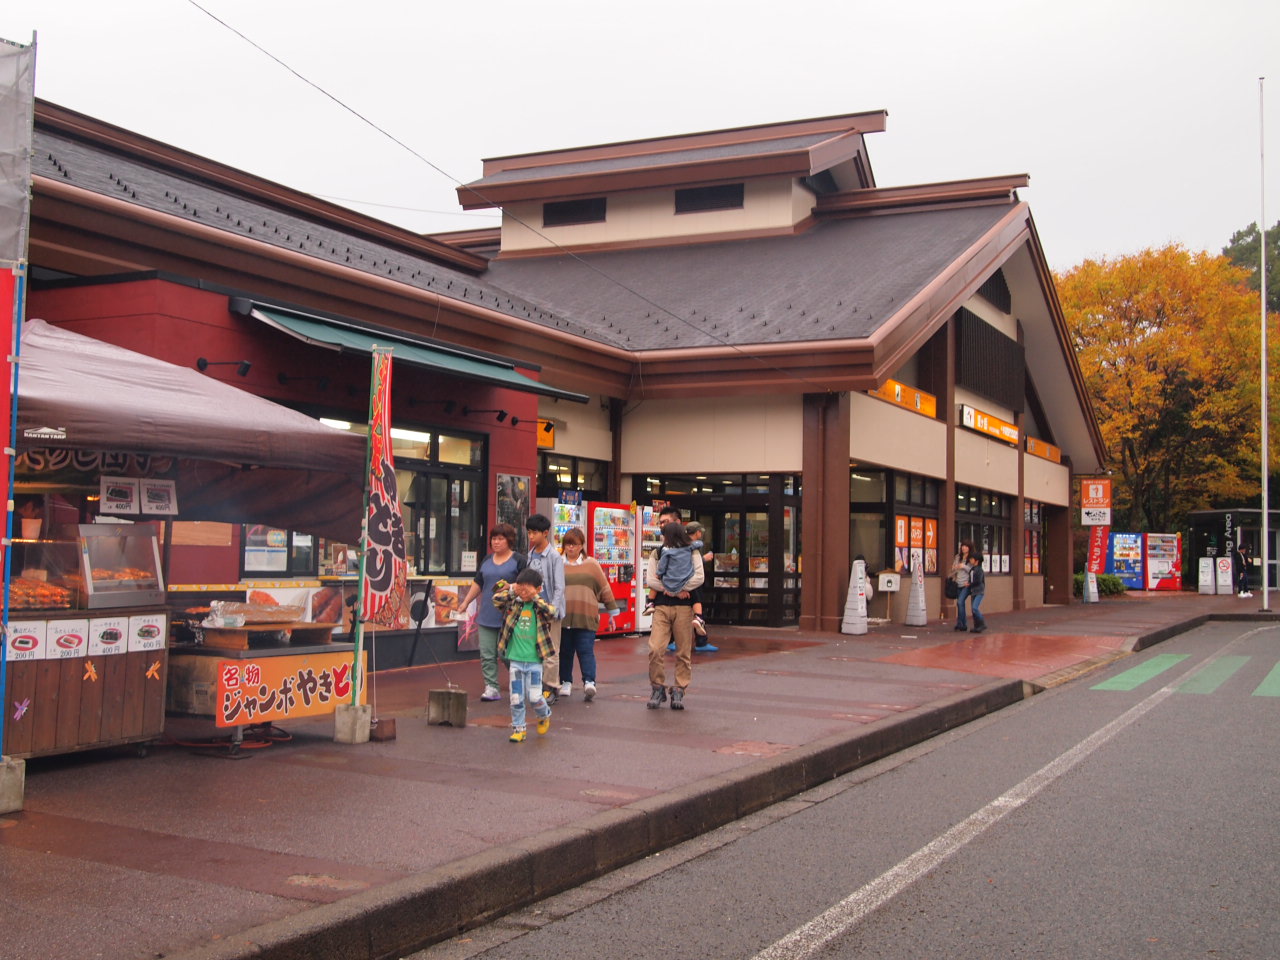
101,171
840,280
672,158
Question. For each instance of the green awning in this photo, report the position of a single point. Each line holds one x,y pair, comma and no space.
349,336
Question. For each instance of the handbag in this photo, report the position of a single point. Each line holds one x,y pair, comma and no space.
951,589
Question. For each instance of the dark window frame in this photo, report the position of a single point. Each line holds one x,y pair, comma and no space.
566,213
721,196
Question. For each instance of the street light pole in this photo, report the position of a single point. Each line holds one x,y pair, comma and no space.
1266,413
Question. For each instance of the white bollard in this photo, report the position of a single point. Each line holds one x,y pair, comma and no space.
1090,587
917,612
855,605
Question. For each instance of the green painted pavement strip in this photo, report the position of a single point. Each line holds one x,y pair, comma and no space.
1270,687
1136,676
1212,675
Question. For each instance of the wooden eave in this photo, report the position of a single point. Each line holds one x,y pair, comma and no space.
872,121
927,194
68,123
101,234
844,143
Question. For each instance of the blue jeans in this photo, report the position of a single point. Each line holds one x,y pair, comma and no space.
580,641
975,601
526,678
962,622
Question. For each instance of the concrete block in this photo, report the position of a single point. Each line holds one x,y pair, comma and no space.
447,707
351,722
13,781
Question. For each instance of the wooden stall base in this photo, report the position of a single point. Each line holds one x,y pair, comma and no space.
238,638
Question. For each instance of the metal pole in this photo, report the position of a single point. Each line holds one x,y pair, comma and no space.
1266,412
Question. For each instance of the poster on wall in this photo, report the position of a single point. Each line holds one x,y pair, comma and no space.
902,552
513,504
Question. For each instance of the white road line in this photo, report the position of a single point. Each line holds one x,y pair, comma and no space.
805,941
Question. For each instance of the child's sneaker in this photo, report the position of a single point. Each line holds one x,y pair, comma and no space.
517,736
544,724
648,609
588,691
699,627
490,693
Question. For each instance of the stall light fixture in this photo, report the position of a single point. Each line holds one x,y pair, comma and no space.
502,414
284,379
242,366
548,426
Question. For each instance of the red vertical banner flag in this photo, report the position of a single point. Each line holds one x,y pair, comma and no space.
385,563
1098,537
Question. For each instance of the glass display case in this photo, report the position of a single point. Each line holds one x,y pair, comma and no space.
46,575
120,565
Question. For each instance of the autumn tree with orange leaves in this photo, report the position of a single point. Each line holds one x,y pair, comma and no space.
1168,342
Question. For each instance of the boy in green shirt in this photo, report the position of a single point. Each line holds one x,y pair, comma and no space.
524,642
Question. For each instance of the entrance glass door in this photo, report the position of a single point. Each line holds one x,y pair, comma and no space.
740,586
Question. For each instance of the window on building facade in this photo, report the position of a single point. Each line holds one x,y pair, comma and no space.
563,213
1031,536
557,473
985,520
726,196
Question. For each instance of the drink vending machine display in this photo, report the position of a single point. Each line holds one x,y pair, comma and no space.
649,537
611,540
1164,561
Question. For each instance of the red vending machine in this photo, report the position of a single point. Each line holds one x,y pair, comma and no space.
1163,555
611,539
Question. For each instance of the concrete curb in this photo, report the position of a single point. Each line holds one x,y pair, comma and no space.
410,914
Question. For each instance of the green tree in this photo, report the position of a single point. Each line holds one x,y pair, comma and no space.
1243,252
1168,344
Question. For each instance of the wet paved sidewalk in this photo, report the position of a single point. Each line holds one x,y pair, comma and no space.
316,849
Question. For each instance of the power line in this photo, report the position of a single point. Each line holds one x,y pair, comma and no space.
448,176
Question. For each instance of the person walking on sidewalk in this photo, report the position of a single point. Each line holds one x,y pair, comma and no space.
977,590
960,574
672,620
585,588
503,564
524,643
1244,560
544,558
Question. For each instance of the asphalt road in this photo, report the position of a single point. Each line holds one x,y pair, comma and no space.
1128,814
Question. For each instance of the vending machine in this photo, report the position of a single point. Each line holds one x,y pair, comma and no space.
563,516
1163,556
649,537
611,539
1124,559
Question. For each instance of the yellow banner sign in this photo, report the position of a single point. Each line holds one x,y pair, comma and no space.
909,397
271,689
986,423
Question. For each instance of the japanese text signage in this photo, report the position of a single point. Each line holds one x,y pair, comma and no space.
277,688
986,423
1095,503
909,397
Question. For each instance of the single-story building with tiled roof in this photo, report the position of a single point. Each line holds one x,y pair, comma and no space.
814,366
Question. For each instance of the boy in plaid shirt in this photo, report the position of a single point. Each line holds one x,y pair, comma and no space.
524,642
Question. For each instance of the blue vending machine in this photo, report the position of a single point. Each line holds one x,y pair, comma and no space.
1125,559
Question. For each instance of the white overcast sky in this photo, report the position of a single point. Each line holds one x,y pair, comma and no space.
1138,120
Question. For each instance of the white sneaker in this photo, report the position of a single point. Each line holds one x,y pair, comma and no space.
490,693
566,689
588,691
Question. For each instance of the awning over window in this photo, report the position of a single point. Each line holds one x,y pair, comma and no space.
344,336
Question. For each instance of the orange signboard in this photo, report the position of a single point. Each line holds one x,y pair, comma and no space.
1095,502
1038,448
271,689
909,397
990,425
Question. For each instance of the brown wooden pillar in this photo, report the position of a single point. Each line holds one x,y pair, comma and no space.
947,506
615,431
824,511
